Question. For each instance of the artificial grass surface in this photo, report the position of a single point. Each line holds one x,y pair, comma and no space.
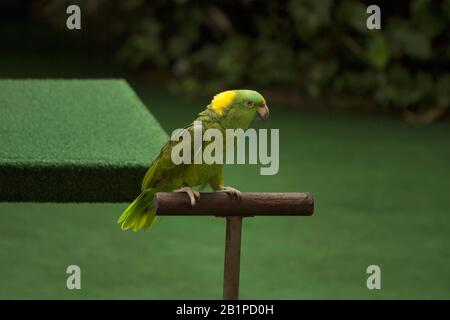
381,189
74,141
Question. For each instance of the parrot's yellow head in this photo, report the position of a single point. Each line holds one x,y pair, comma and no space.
237,108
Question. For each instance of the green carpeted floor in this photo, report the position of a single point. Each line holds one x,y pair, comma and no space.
382,197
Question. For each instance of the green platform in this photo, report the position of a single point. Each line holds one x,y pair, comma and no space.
74,141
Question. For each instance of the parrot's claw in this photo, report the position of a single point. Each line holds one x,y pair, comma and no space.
232,191
193,195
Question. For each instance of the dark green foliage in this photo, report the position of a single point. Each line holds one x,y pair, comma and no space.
319,48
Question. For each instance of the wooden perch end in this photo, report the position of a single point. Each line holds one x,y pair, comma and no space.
225,205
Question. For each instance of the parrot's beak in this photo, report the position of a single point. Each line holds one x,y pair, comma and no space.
263,112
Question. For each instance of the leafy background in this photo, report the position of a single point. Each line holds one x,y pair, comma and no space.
304,51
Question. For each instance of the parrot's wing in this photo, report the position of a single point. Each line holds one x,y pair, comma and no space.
163,169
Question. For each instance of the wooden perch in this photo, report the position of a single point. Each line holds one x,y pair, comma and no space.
225,205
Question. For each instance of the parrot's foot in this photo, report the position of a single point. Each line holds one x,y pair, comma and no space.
231,191
193,195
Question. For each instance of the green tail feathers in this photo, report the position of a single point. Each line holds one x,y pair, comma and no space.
139,214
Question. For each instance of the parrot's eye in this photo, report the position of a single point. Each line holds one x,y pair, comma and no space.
249,104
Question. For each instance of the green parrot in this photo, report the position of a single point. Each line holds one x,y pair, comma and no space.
230,109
